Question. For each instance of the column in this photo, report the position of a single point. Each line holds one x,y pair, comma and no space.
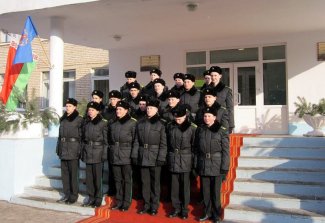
56,72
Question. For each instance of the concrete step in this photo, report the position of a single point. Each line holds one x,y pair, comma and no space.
284,152
51,193
284,141
267,162
251,199
270,215
56,182
280,187
47,203
280,174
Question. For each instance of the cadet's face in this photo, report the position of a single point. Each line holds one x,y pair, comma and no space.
180,120
172,102
114,101
121,112
207,79
92,113
70,108
188,84
159,88
97,99
215,77
151,111
142,105
130,80
209,100
209,119
179,82
134,92
154,76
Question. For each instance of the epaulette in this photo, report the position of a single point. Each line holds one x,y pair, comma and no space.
223,128
134,119
194,125
104,120
163,120
80,116
223,107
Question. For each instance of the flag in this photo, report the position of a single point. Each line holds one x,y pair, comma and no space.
24,52
17,74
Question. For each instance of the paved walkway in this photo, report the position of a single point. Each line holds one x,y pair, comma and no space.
12,213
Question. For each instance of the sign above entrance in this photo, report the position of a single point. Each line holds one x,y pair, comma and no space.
148,63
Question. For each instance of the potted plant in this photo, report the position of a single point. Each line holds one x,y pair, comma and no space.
27,123
313,115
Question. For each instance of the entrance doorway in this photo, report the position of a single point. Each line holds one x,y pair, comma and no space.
251,115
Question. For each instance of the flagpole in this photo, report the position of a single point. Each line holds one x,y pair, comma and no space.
48,61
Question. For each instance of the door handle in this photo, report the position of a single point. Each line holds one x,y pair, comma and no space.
239,98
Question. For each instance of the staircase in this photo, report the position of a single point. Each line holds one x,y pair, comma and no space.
48,189
279,179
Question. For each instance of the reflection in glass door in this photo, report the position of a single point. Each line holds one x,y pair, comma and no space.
246,86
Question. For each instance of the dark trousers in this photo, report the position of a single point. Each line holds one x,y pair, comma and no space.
137,186
150,177
180,191
211,195
111,182
94,182
70,179
123,184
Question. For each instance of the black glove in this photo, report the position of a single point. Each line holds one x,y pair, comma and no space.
160,163
223,174
134,161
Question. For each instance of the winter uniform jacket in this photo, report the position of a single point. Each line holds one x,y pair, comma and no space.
167,114
179,89
69,140
222,115
133,102
212,154
148,89
191,98
180,141
163,100
151,136
95,140
224,96
124,89
110,113
121,140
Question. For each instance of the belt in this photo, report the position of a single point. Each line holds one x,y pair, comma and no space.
208,155
63,139
146,146
94,143
182,151
120,144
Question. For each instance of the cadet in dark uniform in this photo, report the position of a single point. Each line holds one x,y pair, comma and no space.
110,112
207,80
121,140
110,115
161,92
68,149
133,99
130,78
210,100
97,96
149,88
212,162
94,153
191,95
141,112
224,94
151,155
179,82
173,101
180,141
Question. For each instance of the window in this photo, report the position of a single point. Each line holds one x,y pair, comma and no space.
234,55
1,80
68,86
274,75
100,82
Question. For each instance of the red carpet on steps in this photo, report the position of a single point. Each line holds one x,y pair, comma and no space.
104,214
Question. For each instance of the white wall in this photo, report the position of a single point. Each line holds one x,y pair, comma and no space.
306,75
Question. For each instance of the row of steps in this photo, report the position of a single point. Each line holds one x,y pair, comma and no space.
279,180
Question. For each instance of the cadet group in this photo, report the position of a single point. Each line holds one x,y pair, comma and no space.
150,136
